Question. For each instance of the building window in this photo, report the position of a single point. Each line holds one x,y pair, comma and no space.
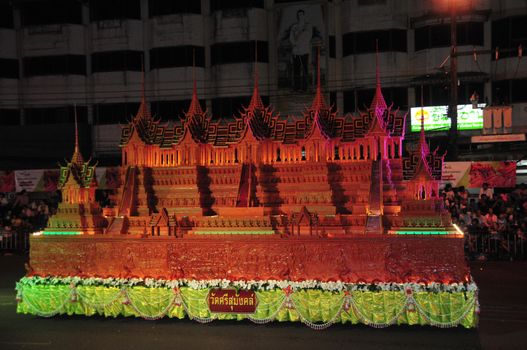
508,34
501,92
238,52
439,36
332,47
163,7
433,95
55,115
227,107
365,42
333,98
171,110
177,56
114,113
101,10
469,33
505,92
8,68
466,89
439,94
9,117
54,65
396,95
113,61
349,101
6,15
519,90
216,5
51,12
371,2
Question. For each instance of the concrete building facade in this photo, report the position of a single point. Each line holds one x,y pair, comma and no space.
89,53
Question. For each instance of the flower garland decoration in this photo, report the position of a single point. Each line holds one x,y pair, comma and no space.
265,285
348,300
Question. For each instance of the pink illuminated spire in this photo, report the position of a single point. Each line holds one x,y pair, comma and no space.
423,167
256,101
319,103
423,146
195,107
378,104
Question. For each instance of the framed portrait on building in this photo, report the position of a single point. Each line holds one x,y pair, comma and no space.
302,32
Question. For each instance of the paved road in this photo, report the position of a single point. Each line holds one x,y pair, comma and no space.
503,325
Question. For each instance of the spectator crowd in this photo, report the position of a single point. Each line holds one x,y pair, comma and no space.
495,223
19,215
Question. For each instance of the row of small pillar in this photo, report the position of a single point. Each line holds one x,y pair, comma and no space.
265,152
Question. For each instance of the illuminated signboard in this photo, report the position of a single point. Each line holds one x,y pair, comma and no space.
436,118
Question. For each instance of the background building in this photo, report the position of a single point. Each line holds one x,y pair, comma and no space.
89,53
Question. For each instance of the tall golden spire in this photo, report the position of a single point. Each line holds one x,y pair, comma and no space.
143,107
256,100
143,97
77,156
195,107
319,102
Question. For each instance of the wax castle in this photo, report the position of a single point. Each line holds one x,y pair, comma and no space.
301,215
262,173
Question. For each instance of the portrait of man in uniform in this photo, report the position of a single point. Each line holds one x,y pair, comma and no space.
301,34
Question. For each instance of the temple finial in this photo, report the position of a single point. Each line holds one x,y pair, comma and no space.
76,129
143,111
319,102
142,81
377,74
256,100
195,107
77,156
256,63
319,88
422,113
422,138
378,105
195,89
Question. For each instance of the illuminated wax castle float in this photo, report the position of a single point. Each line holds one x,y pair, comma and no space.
317,219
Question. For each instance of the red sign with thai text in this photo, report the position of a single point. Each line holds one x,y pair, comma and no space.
232,301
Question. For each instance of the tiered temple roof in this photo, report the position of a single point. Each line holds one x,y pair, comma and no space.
258,118
196,120
422,161
265,124
147,128
77,169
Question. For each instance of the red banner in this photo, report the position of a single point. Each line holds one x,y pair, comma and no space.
232,301
7,181
474,174
496,174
